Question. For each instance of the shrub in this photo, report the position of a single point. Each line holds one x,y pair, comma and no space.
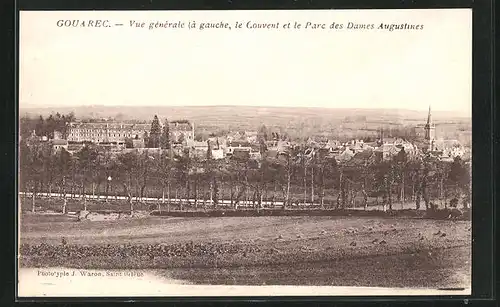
454,202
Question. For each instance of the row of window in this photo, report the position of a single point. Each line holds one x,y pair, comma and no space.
72,135
99,134
108,131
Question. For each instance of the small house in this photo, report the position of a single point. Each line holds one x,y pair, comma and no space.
59,144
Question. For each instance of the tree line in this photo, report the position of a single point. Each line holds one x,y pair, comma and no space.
46,126
295,178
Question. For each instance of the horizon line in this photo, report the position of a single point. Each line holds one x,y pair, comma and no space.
240,106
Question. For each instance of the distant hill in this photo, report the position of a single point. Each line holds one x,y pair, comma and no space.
230,115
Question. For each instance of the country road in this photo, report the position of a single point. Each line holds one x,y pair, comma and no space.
150,199
221,203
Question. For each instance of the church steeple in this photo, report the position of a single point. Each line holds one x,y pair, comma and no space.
381,135
429,119
429,130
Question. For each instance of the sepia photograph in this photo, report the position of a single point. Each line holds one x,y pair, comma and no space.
245,153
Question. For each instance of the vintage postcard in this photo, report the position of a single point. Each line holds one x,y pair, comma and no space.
245,153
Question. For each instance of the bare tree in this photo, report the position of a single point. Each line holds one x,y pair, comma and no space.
127,164
165,172
64,163
87,165
31,163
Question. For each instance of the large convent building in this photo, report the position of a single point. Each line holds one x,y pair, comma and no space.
117,133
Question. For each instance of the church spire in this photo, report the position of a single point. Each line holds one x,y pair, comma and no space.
429,131
381,135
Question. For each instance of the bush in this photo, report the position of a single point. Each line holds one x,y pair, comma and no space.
454,202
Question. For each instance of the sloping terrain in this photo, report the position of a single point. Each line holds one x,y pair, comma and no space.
342,251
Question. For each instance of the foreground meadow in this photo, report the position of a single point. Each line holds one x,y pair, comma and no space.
280,250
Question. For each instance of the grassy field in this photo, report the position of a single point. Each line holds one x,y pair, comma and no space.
314,250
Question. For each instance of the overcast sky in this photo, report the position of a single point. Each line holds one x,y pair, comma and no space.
313,68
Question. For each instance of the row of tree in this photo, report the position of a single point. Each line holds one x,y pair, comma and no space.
292,178
46,126
157,137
